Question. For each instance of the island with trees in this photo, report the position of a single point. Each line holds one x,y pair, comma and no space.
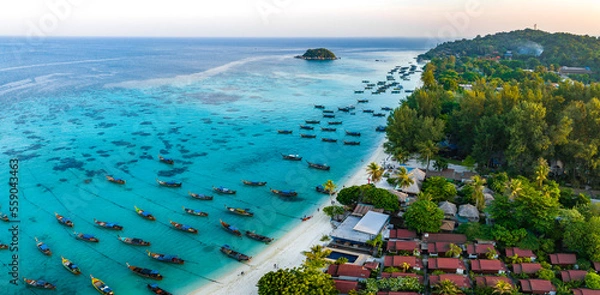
317,54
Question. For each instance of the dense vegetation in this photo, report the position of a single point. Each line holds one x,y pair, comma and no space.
531,47
368,194
506,118
318,53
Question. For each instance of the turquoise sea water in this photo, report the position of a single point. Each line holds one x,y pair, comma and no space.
76,110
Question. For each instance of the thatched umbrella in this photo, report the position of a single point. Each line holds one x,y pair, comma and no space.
488,198
468,211
448,208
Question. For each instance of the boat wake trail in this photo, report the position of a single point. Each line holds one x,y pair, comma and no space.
59,64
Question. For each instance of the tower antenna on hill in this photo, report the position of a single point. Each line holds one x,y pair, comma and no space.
535,26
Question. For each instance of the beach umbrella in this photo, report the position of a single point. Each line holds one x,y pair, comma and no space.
468,211
448,208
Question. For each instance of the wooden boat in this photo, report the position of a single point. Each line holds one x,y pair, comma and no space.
380,129
240,211
328,129
346,142
319,106
312,122
101,287
386,108
43,247
166,160
289,193
224,190
40,284
165,258
63,220
308,135
183,227
3,246
225,249
284,131
344,109
70,266
4,217
200,196
306,127
254,183
321,189
327,111
368,111
351,107
144,214
133,241
292,157
109,225
318,166
145,272
378,115
362,100
326,139
328,116
86,237
352,133
230,228
334,122
169,183
258,237
115,180
194,212
157,290
305,218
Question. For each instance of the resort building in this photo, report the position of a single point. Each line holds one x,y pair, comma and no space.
572,275
537,286
481,250
563,259
526,268
344,287
459,280
488,266
574,70
458,239
415,263
438,248
406,246
356,231
583,291
449,265
401,234
510,252
349,272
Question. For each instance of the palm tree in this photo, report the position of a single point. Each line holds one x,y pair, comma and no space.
405,266
454,250
341,260
330,187
404,178
428,149
491,253
514,188
375,172
478,184
316,257
503,288
447,287
541,172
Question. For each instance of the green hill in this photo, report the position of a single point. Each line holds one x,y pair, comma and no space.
318,54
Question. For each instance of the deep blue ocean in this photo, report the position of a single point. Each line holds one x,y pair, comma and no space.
78,109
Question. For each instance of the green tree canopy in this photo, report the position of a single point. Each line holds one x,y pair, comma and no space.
424,216
296,281
439,188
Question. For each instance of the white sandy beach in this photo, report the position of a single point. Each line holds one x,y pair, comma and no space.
286,252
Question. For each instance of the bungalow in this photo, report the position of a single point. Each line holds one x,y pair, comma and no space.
563,259
372,265
402,234
480,250
438,248
402,275
398,261
583,291
409,246
486,266
520,253
449,265
357,231
457,239
526,268
460,281
344,287
349,272
537,286
488,281
573,275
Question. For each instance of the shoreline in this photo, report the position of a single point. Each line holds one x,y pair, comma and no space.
286,252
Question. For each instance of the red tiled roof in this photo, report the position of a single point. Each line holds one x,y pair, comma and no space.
451,238
460,281
402,234
402,246
488,281
563,259
345,286
477,249
520,252
536,286
527,268
445,263
583,291
487,265
396,293
399,260
438,247
348,270
572,275
373,265
402,275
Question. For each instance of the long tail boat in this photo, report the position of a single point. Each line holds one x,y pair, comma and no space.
133,241
63,220
40,284
145,272
254,183
194,212
352,133
115,180
318,166
348,142
170,183
240,211
200,196
224,190
4,217
70,266
109,225
157,290
321,189
101,287
144,214
86,237
258,237
288,193
291,157
42,247
166,160
225,249
307,135
165,258
230,228
183,227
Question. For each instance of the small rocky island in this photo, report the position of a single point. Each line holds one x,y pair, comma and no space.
317,54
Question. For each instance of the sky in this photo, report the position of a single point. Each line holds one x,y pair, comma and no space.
443,19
